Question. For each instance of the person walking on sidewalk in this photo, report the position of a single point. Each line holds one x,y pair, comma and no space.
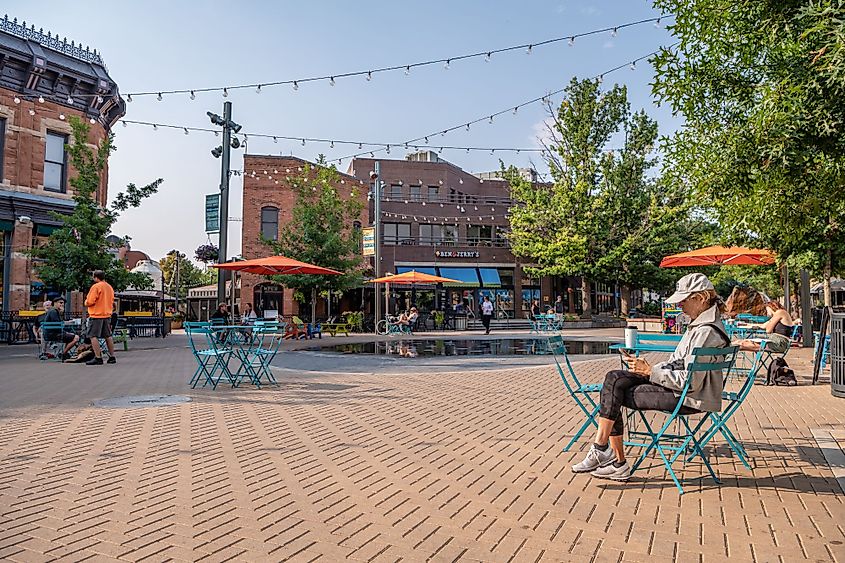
99,302
486,313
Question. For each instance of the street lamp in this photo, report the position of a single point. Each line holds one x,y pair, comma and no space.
175,253
223,151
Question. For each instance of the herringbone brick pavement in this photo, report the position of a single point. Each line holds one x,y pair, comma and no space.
423,466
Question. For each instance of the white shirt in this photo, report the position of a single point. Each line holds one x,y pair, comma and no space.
486,308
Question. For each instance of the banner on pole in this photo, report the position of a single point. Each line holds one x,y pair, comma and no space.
369,234
212,213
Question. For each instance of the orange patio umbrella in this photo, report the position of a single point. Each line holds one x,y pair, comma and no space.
276,265
412,277
720,255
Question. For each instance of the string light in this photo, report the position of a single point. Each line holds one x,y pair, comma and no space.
159,97
331,81
369,75
487,57
17,100
186,132
295,86
193,96
258,89
572,41
446,64
407,70
69,100
633,65
528,50
225,92
129,98
62,116
92,120
614,32
31,111
99,100
40,99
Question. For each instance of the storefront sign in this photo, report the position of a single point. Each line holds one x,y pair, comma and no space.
369,234
212,213
456,253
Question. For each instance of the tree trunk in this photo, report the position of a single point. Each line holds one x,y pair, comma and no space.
625,299
586,304
827,274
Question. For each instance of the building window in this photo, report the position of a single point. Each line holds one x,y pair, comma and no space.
430,234
433,193
416,193
55,163
397,233
2,151
396,191
270,223
480,234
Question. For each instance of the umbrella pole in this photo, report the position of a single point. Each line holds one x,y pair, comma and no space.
386,299
313,304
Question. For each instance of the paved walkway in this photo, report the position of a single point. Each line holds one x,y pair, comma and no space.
441,466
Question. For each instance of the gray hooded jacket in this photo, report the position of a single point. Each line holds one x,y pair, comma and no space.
705,391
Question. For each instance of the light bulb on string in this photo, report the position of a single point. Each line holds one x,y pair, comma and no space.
62,116
303,142
186,131
426,140
633,65
17,100
159,97
491,119
331,81
528,50
31,111
657,23
99,99
295,86
360,146
258,89
387,148
487,57
572,41
70,100
601,78
92,120
467,126
155,127
369,75
407,70
515,109
129,97
276,140
446,64
40,99
331,145
124,123
225,92
614,32
193,96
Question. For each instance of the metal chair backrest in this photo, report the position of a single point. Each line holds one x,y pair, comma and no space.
700,364
558,348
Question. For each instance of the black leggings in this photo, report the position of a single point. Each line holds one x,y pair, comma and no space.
626,389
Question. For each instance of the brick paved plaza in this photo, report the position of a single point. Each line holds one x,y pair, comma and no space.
420,466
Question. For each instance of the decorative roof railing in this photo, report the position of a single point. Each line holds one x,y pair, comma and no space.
51,41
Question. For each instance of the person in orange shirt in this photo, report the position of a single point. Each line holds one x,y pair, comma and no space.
99,302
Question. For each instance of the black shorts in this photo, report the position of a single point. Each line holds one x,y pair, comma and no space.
99,328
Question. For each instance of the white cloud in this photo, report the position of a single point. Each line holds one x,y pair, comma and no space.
540,134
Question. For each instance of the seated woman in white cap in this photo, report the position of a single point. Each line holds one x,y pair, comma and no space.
658,387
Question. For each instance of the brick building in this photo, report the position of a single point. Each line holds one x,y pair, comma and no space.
43,81
436,218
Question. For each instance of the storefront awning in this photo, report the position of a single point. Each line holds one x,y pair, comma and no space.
421,269
468,277
490,277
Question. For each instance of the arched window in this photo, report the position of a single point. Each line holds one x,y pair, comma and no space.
270,223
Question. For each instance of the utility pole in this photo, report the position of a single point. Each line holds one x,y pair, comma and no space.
224,150
375,177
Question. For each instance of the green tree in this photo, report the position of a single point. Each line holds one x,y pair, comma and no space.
66,260
761,85
321,231
602,217
189,274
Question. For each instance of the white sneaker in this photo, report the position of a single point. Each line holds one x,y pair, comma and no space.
594,460
612,472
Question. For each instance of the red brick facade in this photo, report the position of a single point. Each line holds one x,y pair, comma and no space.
24,149
267,184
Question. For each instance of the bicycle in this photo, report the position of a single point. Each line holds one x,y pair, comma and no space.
390,325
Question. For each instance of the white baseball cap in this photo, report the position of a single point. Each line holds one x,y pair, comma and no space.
687,285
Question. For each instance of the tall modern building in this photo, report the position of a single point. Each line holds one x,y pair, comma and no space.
44,80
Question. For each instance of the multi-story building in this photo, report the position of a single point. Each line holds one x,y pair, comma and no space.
43,81
436,218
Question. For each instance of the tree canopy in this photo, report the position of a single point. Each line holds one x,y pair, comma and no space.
761,85
189,274
321,231
65,261
602,216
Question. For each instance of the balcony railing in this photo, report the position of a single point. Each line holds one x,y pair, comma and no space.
470,242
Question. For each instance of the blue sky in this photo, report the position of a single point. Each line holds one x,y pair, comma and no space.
158,45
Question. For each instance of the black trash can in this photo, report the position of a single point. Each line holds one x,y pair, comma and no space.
837,354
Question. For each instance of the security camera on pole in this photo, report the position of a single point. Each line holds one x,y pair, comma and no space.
223,150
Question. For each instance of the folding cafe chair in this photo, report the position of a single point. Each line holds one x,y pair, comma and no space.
661,441
211,355
581,393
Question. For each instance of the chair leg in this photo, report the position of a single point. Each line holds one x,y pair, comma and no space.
591,419
699,451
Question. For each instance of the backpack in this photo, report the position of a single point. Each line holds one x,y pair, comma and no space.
781,374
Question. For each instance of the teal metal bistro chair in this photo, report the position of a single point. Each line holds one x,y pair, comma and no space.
255,359
211,355
719,420
669,446
581,393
